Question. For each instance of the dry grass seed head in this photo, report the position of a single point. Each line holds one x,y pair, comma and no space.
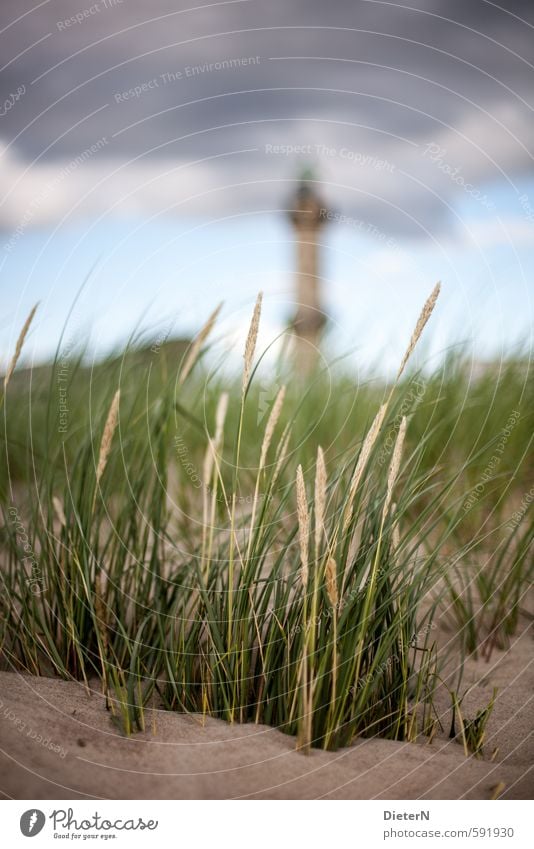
426,312
271,424
220,418
394,467
282,453
331,581
304,525
252,338
320,497
107,436
365,453
215,444
196,345
395,542
18,347
207,466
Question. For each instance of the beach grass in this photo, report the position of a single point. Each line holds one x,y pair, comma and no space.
288,568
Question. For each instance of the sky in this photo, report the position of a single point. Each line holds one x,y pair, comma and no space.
152,150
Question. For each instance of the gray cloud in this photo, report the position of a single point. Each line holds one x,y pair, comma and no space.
376,79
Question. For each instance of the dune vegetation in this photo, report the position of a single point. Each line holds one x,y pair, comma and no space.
173,534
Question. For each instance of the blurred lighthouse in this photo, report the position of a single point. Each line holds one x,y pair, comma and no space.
308,214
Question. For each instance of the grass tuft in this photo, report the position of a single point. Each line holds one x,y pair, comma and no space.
176,570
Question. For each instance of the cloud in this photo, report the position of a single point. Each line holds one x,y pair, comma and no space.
189,100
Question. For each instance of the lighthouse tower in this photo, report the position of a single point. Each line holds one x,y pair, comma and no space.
308,214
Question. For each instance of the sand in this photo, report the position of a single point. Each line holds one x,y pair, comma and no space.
185,757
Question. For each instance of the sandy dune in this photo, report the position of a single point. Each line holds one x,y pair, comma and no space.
183,757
